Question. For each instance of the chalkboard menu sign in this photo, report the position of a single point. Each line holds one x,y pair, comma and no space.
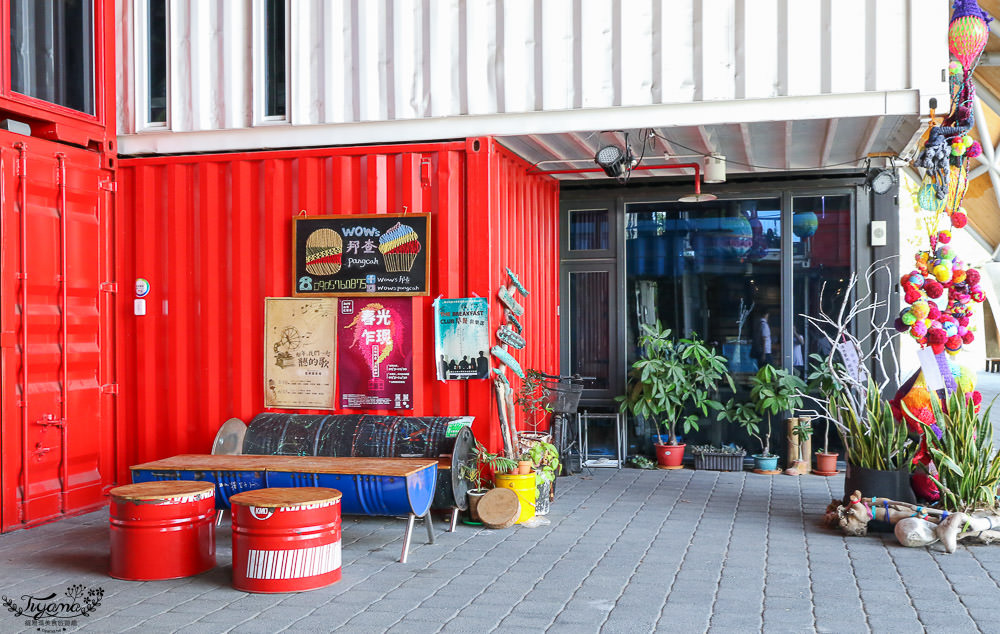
369,254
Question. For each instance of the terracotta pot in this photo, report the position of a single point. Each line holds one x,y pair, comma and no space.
670,456
826,463
523,467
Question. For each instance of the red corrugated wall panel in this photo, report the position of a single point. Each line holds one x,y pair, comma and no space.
213,233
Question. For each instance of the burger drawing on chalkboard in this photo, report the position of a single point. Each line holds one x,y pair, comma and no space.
399,247
323,252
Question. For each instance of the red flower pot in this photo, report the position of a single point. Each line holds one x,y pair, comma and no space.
670,456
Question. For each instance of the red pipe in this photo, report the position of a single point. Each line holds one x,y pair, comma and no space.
23,203
672,166
64,339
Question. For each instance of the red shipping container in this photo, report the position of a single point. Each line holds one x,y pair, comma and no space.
212,234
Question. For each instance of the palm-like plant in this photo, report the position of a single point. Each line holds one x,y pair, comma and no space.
672,375
968,465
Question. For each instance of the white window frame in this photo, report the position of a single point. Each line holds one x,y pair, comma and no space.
259,55
142,82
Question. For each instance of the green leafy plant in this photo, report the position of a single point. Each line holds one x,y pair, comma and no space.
672,375
475,470
968,464
802,431
742,413
876,440
544,459
534,398
773,391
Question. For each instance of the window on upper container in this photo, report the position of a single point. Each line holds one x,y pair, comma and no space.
274,59
52,51
156,19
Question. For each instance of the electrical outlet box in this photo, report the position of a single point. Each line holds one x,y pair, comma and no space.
878,233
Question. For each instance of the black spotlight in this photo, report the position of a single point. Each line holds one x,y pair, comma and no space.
880,180
613,160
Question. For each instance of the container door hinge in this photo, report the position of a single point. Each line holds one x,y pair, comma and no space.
109,287
109,185
110,388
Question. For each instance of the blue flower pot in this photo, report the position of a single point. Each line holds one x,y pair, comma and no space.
765,463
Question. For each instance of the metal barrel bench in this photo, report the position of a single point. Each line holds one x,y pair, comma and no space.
449,439
369,486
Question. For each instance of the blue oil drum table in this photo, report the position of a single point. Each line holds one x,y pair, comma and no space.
369,486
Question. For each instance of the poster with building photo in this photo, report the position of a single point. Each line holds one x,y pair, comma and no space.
300,352
375,347
462,338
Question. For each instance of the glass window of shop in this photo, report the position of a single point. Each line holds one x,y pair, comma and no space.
715,269
52,51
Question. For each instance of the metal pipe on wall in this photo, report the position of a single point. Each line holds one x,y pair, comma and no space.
22,199
63,335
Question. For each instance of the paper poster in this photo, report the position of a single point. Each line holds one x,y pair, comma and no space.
462,338
361,254
300,342
375,347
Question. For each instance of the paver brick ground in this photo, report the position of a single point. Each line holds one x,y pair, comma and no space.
623,551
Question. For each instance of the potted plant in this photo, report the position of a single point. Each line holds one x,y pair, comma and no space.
545,462
800,431
823,380
474,472
724,458
670,376
773,391
877,450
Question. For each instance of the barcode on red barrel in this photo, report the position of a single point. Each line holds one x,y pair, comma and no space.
293,564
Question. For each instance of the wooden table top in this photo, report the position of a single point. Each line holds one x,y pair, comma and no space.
283,497
308,464
161,490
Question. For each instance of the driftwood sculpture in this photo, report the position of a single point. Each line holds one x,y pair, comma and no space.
918,525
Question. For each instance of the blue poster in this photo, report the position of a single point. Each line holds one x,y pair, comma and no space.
462,338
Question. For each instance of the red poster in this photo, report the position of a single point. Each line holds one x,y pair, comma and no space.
375,352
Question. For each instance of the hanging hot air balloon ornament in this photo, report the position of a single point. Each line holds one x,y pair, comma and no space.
968,32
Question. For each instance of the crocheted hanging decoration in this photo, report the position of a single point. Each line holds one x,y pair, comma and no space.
968,32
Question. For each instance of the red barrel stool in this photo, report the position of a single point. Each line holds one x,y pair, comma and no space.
162,530
286,539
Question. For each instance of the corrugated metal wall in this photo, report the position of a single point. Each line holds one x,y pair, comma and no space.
212,234
387,60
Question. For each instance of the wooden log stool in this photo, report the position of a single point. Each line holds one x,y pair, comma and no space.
162,530
286,539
